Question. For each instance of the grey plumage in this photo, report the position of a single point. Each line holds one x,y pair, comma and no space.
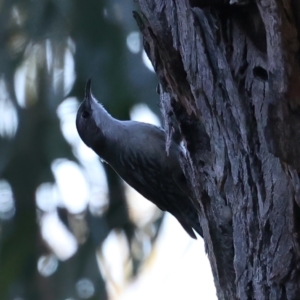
136,151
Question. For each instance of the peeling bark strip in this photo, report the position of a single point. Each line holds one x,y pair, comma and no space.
233,69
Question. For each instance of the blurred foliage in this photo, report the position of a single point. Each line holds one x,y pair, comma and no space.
35,38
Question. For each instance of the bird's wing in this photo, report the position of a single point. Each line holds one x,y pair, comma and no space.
162,181
142,173
181,181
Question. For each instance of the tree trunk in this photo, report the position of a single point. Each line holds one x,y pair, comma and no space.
232,81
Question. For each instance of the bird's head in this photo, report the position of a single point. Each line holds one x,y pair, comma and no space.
87,122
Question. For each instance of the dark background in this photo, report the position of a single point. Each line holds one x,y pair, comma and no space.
48,49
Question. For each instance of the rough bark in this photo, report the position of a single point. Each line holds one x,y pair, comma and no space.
231,73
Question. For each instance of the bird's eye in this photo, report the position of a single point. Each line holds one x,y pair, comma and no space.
85,114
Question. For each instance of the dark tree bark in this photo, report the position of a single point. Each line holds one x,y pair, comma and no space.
230,70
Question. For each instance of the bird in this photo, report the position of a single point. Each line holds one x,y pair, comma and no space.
136,151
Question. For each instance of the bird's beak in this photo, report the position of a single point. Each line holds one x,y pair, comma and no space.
88,92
